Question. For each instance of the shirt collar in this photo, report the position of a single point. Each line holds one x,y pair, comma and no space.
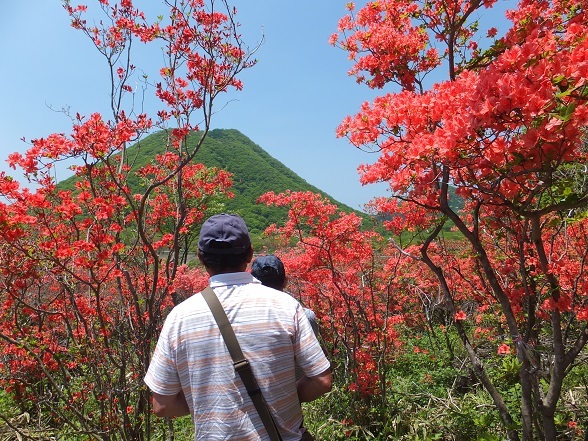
239,278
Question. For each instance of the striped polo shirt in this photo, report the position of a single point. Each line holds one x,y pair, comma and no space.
275,336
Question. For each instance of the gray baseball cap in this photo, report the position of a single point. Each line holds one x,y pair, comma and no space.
224,234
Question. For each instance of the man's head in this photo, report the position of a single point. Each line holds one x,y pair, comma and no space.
224,245
269,270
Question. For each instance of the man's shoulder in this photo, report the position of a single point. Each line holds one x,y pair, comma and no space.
283,296
190,305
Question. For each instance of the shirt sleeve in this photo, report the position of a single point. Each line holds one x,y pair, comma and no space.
162,375
307,350
312,319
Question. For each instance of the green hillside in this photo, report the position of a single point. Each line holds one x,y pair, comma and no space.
254,172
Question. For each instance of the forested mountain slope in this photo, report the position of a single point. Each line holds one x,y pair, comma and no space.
255,172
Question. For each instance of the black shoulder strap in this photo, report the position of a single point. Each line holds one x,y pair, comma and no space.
240,363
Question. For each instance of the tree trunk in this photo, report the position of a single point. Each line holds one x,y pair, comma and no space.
526,399
480,373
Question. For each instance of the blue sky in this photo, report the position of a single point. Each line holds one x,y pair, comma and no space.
292,101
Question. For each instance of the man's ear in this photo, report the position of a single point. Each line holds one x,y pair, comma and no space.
285,282
250,255
208,270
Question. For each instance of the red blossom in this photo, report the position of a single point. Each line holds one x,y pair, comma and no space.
459,316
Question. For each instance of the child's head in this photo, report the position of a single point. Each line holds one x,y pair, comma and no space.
269,270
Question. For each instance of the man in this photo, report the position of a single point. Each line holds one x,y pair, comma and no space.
191,372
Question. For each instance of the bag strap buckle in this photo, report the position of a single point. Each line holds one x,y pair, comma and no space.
241,365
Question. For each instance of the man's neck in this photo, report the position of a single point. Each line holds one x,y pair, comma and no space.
212,272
